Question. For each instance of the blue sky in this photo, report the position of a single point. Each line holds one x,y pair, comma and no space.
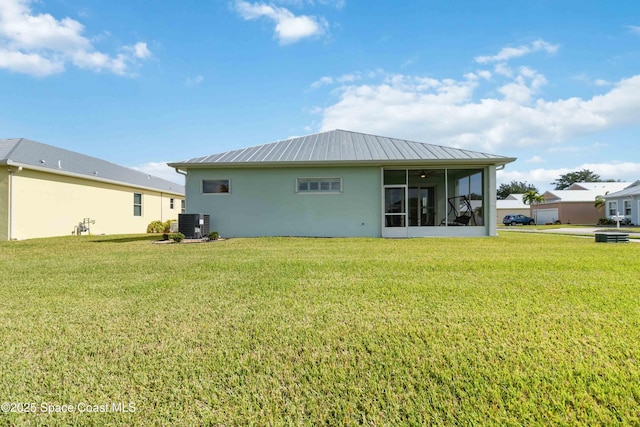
554,83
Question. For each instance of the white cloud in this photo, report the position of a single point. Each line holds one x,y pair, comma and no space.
289,27
448,112
195,81
160,170
40,45
508,53
535,159
634,29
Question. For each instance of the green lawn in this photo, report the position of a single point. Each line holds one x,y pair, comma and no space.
518,329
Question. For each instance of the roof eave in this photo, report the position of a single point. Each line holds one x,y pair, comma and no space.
11,163
404,162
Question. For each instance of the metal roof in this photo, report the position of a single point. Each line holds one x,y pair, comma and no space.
631,190
35,155
340,146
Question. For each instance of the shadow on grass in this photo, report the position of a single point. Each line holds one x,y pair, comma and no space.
128,239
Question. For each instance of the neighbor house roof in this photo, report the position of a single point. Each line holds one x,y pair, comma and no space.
631,190
583,191
512,201
600,187
35,155
340,146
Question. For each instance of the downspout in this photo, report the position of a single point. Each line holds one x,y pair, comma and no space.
10,207
185,186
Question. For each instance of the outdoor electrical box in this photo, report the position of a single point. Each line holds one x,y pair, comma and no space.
194,226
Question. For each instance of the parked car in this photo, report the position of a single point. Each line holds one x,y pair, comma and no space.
518,219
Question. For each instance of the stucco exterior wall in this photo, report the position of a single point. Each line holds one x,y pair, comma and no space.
574,212
4,204
264,202
46,204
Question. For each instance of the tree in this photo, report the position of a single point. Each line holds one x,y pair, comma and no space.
583,175
532,197
514,187
599,202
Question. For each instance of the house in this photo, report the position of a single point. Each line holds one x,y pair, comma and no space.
575,205
511,205
345,184
48,191
625,202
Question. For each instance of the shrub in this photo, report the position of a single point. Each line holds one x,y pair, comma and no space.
176,237
165,236
155,227
167,225
214,235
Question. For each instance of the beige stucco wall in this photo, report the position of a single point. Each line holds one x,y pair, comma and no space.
4,203
46,204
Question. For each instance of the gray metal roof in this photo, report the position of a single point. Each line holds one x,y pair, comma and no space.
27,153
340,146
631,190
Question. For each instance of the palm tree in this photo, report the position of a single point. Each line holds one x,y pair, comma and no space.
532,197
600,202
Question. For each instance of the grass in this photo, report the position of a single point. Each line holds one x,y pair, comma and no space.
518,329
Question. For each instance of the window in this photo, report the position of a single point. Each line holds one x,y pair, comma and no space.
137,204
215,186
319,185
171,203
183,206
627,208
613,208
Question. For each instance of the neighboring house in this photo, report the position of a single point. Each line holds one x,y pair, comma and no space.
575,205
47,191
511,205
625,202
341,183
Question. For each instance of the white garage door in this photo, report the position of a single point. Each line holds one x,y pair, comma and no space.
547,215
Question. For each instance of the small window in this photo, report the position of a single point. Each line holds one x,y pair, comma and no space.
183,206
627,207
613,208
319,185
215,186
137,204
171,201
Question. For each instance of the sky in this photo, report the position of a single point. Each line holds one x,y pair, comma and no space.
555,83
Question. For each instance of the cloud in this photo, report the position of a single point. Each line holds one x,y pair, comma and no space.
195,81
41,45
289,28
508,53
160,170
450,112
634,29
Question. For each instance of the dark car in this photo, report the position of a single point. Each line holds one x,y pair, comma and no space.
517,219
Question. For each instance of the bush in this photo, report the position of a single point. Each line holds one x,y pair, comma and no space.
176,237
609,221
167,225
214,235
155,227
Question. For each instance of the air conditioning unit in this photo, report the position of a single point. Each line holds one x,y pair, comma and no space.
194,226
